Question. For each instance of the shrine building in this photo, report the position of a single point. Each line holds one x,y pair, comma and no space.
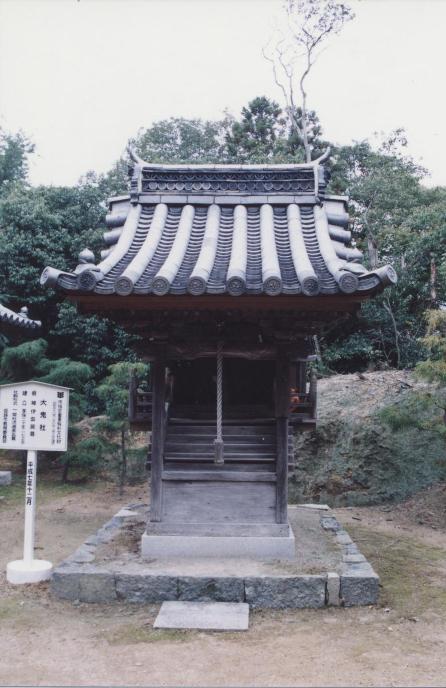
226,273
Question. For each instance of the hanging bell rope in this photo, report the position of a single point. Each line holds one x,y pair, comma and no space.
218,442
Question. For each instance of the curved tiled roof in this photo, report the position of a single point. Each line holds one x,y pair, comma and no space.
234,229
17,320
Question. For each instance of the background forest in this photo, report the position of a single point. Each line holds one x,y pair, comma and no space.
395,219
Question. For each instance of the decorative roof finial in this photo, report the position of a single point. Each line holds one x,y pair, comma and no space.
134,156
86,256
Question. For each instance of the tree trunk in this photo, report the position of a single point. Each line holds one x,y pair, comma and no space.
66,468
373,252
388,308
433,281
123,467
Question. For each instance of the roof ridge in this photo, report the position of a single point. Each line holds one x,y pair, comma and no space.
226,166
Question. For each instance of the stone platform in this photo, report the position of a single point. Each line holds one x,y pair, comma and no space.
223,546
328,569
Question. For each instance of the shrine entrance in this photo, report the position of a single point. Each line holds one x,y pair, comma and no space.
247,387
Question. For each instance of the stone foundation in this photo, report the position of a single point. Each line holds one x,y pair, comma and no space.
102,570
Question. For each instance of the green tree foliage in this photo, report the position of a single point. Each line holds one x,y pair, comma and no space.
261,134
42,226
434,368
14,151
89,338
28,361
425,409
114,392
255,137
180,140
86,456
395,220
264,134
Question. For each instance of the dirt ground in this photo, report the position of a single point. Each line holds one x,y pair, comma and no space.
44,641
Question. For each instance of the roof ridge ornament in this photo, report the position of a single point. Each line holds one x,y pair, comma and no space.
222,166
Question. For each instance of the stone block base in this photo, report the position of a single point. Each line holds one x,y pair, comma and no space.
96,573
262,548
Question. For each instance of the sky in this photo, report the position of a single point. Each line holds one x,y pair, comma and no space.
80,77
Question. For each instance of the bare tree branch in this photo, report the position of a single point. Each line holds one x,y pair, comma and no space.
308,24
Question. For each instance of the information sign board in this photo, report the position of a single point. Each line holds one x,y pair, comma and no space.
34,415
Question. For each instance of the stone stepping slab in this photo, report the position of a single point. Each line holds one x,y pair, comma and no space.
208,616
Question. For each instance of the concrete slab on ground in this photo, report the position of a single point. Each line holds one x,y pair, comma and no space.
5,478
209,616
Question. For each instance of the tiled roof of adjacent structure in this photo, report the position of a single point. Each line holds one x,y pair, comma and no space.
225,229
17,320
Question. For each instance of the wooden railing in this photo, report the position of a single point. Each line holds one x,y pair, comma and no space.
140,403
302,406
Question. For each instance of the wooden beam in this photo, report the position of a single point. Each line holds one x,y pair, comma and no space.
329,302
158,428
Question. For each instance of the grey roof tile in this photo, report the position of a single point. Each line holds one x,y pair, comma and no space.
258,230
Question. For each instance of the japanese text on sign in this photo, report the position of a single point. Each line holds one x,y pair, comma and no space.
34,415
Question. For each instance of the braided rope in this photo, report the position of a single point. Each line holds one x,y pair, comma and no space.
219,392
219,438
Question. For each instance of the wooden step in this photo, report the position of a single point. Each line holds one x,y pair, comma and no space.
197,444
246,440
200,465
220,475
255,431
248,422
241,458
210,452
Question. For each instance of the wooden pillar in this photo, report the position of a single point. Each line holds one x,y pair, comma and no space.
158,430
301,377
282,414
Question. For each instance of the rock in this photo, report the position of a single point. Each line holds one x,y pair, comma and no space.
333,589
330,523
217,589
343,538
144,588
287,592
84,554
65,582
214,616
353,558
359,589
97,586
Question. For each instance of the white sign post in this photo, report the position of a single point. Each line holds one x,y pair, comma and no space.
33,416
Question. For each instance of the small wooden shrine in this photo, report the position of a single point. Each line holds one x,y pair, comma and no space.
226,272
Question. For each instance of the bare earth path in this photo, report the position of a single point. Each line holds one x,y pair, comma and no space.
44,641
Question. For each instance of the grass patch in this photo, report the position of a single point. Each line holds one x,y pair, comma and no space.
9,609
47,490
412,573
